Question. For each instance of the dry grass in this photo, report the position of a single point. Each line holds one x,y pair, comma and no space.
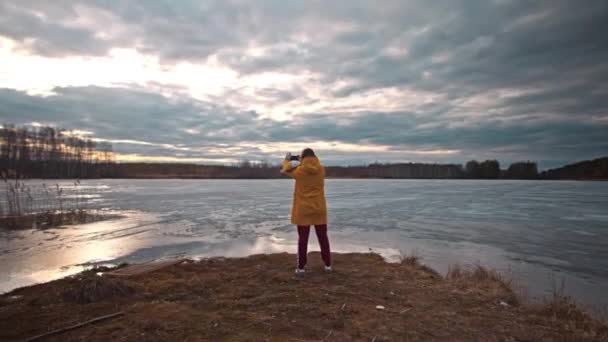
29,206
483,279
260,299
478,273
410,259
54,219
95,288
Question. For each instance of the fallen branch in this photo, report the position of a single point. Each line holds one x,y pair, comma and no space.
238,331
326,337
75,326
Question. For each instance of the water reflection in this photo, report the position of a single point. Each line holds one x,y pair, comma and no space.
32,256
40,256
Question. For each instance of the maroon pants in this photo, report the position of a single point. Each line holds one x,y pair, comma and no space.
303,232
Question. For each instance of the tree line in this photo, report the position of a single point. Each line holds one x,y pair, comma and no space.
584,170
46,152
490,169
244,170
265,170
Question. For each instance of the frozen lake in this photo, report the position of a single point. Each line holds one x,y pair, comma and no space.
542,233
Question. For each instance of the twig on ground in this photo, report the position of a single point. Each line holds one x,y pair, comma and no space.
238,331
326,337
426,331
269,331
75,326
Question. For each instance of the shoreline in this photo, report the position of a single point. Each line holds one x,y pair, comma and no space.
350,178
259,298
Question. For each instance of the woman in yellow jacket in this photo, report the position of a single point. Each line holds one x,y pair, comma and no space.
309,207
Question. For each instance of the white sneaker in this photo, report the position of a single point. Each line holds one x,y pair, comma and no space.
300,270
327,268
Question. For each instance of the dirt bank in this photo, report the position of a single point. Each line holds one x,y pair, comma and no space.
260,299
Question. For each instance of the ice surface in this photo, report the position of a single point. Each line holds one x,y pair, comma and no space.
540,231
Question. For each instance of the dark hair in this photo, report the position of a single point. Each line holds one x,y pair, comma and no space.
308,152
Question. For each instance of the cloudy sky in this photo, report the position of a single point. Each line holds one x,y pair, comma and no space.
359,81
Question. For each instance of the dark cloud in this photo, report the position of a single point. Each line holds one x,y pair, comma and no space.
44,36
129,114
523,79
196,129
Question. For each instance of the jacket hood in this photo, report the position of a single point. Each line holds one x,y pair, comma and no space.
311,165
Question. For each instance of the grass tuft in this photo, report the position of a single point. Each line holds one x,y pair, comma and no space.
411,259
93,289
480,277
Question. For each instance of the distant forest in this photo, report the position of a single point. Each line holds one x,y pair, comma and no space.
46,152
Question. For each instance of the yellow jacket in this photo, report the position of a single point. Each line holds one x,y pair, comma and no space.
309,207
